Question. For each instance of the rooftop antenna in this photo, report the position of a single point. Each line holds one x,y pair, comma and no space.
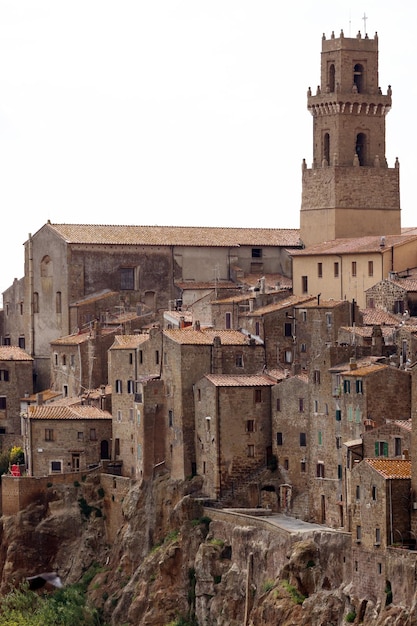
364,23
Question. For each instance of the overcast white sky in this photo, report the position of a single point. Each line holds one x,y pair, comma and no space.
176,112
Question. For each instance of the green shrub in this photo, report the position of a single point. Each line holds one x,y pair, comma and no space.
268,585
350,617
297,597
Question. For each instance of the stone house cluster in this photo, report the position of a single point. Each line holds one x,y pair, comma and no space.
278,365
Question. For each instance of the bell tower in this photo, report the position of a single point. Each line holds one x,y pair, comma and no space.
349,191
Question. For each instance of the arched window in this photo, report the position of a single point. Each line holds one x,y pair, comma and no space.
46,267
332,73
360,148
326,148
359,77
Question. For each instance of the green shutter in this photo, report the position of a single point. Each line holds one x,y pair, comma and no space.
376,448
385,448
338,415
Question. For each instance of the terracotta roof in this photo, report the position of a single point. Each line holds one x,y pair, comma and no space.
129,342
372,317
324,304
406,424
13,353
391,468
357,245
248,380
46,394
285,303
205,336
366,331
366,370
105,234
95,297
409,284
360,363
56,412
205,285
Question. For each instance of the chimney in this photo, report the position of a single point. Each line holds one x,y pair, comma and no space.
352,364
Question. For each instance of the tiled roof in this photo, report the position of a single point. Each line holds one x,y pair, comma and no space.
324,304
391,468
54,412
409,284
102,234
204,285
228,380
372,317
13,353
129,342
360,363
190,336
95,297
281,304
366,370
367,331
47,395
357,245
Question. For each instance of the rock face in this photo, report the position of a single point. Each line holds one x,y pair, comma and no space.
171,561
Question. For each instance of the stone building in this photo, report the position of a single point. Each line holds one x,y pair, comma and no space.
397,294
73,272
380,493
16,383
233,432
349,110
291,439
59,439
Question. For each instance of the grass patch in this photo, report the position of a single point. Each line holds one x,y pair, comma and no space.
296,596
350,617
268,585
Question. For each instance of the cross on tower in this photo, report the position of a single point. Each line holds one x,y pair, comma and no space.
364,22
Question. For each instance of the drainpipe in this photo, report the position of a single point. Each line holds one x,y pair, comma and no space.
390,512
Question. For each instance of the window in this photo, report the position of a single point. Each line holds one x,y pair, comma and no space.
7,341
138,417
357,415
119,416
316,406
119,386
130,386
303,466
130,358
22,342
316,377
359,386
346,386
339,472
228,321
328,320
239,360
353,268
377,536
58,302
279,439
303,314
358,492
338,442
171,418
251,451
127,278
140,357
258,396
256,253
320,437
370,268
320,470
288,356
278,404
3,403
117,447
56,466
381,448
72,360
373,492
286,464
4,375
156,357
320,270
397,443
49,434
301,405
35,302
93,434
304,284
358,533
250,426
336,269
338,415
80,436
64,360
303,439
288,329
